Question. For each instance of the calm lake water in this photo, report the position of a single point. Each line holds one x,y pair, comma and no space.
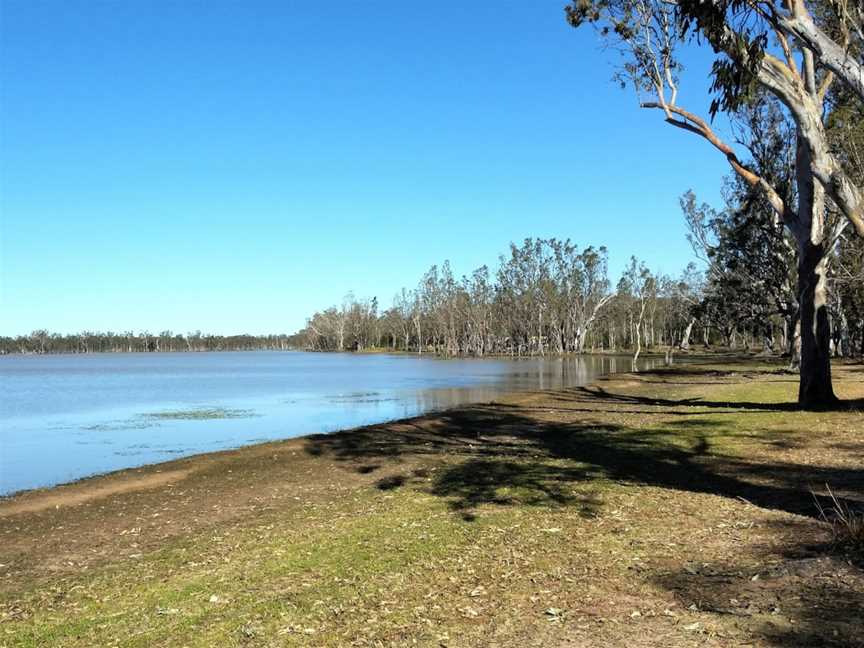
64,417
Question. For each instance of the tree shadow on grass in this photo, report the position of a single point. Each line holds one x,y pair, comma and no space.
477,482
807,597
598,393
594,393
501,456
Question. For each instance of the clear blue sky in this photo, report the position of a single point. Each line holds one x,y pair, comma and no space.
233,166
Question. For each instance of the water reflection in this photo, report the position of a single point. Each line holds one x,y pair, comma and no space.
66,417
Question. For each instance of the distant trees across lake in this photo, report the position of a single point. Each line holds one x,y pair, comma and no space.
546,296
42,341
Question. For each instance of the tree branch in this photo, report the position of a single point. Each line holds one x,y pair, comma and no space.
699,126
830,54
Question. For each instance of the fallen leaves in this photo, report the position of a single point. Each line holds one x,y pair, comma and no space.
554,615
163,611
469,612
296,629
692,627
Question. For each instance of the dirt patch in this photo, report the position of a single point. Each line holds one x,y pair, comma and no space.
75,494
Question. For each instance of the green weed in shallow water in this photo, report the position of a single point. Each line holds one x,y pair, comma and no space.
200,414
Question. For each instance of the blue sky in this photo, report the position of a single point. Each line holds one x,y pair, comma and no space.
233,166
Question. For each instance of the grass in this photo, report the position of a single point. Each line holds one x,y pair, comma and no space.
668,508
845,523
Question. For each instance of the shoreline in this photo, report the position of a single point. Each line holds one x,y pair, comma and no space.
156,467
150,467
7,501
707,354
4,497
629,495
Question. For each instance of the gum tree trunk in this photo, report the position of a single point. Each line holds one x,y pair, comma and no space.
685,337
815,389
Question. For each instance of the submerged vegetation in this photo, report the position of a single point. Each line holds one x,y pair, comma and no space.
200,414
151,419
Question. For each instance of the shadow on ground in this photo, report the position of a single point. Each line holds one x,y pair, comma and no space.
499,454
807,599
507,455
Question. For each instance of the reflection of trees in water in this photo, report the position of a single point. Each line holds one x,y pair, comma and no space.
527,374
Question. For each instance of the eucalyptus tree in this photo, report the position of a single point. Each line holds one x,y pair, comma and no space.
500,312
846,131
583,282
400,317
42,341
638,289
479,295
325,331
521,277
748,260
681,298
848,297
792,49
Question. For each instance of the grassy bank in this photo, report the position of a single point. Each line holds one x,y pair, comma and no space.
669,508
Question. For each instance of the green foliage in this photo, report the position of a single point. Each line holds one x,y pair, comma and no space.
541,297
727,25
651,31
583,11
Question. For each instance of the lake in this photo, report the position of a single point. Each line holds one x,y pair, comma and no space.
63,417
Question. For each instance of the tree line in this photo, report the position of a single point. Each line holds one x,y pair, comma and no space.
548,296
42,341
